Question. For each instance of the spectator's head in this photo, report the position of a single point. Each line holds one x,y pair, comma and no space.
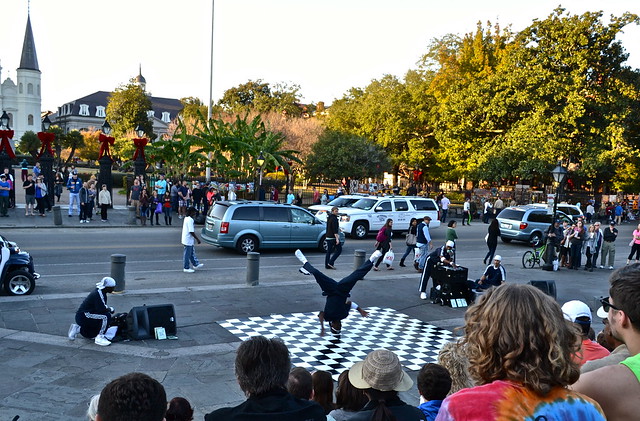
92,410
453,358
518,333
434,382
348,397
323,390
3,177
579,313
190,211
179,410
426,219
262,365
300,383
624,300
451,224
381,370
134,396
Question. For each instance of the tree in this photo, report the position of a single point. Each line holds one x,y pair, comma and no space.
192,107
259,96
72,140
339,155
126,109
29,143
91,145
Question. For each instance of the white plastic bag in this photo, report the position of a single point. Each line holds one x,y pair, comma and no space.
418,253
388,258
556,264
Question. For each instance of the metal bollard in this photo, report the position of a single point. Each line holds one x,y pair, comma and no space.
117,270
57,215
359,257
131,219
253,268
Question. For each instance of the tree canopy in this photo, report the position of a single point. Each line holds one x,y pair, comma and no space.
261,97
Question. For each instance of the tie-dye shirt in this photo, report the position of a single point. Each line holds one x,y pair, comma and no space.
509,401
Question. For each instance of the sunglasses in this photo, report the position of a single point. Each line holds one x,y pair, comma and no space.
606,305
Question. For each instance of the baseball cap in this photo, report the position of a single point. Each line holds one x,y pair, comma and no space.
612,223
574,309
450,244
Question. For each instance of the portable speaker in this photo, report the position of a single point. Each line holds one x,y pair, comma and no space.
548,287
142,321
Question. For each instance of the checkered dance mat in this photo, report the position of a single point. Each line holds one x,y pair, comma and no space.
415,342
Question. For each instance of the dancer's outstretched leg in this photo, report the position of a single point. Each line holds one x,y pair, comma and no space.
347,283
328,285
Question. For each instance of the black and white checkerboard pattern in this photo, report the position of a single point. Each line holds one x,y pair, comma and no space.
415,342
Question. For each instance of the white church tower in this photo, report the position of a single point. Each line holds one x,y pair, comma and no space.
22,100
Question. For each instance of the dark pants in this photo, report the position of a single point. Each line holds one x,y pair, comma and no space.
337,292
104,208
635,248
330,259
444,215
84,211
576,254
426,273
40,202
4,205
384,248
466,217
491,252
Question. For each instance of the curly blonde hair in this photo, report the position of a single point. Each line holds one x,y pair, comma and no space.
516,332
453,358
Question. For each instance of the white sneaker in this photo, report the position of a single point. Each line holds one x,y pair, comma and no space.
188,270
304,271
74,329
423,295
199,265
610,267
375,256
300,256
102,341
601,267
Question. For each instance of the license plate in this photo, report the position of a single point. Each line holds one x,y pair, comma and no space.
506,226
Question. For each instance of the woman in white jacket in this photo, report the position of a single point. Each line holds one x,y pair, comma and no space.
589,247
104,200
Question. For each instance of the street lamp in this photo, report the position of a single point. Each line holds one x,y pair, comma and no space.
106,127
4,120
260,162
46,123
139,162
46,159
139,131
559,173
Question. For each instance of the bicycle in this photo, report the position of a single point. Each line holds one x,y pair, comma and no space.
532,257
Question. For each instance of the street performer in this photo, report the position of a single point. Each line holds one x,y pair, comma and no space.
444,255
94,315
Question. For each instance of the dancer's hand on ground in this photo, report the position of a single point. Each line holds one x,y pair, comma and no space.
363,312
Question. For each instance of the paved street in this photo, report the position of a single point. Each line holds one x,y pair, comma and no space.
46,376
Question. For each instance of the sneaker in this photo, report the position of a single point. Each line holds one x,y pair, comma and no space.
199,265
300,256
601,267
423,295
329,267
188,270
74,329
102,341
610,267
103,220
304,271
82,221
375,255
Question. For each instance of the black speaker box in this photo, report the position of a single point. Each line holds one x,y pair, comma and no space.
142,321
548,287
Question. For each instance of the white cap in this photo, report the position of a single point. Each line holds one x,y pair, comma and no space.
497,257
574,309
601,313
450,244
106,282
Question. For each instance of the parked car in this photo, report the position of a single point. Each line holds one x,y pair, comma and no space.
344,201
369,214
526,223
572,211
253,225
17,275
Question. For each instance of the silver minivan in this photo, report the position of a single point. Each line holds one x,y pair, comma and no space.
253,225
526,223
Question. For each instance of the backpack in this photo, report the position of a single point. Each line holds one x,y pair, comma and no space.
381,237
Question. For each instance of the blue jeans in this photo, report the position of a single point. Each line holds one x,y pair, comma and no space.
189,255
74,198
424,251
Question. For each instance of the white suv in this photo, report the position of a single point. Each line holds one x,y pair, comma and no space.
370,213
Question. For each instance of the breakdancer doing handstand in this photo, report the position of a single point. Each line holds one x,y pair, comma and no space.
338,304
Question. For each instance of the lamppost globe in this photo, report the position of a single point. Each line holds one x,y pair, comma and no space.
106,127
559,173
5,120
46,123
139,131
260,160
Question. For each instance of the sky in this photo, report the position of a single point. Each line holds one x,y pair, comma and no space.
325,47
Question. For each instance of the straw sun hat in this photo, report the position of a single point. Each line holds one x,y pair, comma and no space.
380,370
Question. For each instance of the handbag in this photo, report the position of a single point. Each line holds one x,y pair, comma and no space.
486,238
411,239
388,258
158,208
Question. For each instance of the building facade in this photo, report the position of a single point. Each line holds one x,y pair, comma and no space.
22,99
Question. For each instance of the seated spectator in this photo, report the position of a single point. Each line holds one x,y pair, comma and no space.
434,383
381,376
349,400
618,349
323,390
262,369
134,396
300,383
453,358
520,352
92,411
179,410
579,313
617,387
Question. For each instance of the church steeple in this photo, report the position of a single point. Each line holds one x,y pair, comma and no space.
29,59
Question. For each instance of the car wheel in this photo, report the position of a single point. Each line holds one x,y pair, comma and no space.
19,282
505,240
536,239
323,245
246,244
360,230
